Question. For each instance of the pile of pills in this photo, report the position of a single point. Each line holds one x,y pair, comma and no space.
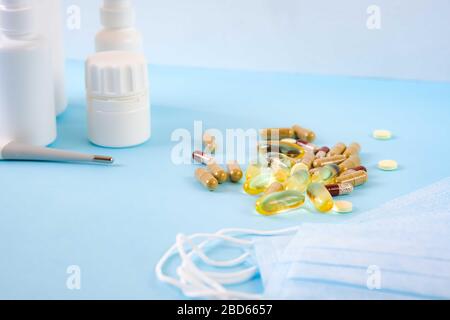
291,168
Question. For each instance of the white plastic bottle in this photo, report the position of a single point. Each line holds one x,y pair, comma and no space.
118,34
50,25
26,83
118,100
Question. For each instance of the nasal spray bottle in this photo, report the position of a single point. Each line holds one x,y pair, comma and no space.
118,33
27,102
50,25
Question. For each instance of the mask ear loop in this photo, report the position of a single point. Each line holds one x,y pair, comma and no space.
193,292
231,277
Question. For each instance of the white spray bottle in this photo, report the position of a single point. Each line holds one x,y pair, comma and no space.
50,25
118,34
27,105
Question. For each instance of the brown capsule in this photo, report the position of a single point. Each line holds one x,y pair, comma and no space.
206,179
304,134
217,172
274,187
356,178
342,189
277,133
352,150
329,160
355,169
350,163
338,149
322,152
235,171
308,159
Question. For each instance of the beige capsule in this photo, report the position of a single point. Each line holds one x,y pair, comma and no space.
217,171
274,187
356,178
235,171
329,160
352,162
308,159
206,179
304,134
353,150
338,149
277,133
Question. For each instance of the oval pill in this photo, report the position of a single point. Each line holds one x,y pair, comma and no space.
388,165
343,207
382,134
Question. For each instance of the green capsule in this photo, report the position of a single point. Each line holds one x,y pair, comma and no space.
320,197
279,202
326,174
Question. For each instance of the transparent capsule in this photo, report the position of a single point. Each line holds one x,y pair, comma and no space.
338,149
355,169
329,160
279,202
326,174
299,180
304,134
320,197
209,143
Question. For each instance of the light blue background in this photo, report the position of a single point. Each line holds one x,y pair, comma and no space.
116,222
317,37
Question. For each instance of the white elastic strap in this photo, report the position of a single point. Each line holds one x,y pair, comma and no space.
194,282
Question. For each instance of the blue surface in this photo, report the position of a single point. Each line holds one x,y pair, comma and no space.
116,222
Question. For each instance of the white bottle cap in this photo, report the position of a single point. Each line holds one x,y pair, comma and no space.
16,17
117,14
118,99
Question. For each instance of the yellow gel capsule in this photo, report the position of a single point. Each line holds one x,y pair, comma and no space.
299,181
253,170
279,202
259,184
320,197
326,174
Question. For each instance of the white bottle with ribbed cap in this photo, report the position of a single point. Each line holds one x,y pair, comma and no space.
118,33
50,25
118,105
27,105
